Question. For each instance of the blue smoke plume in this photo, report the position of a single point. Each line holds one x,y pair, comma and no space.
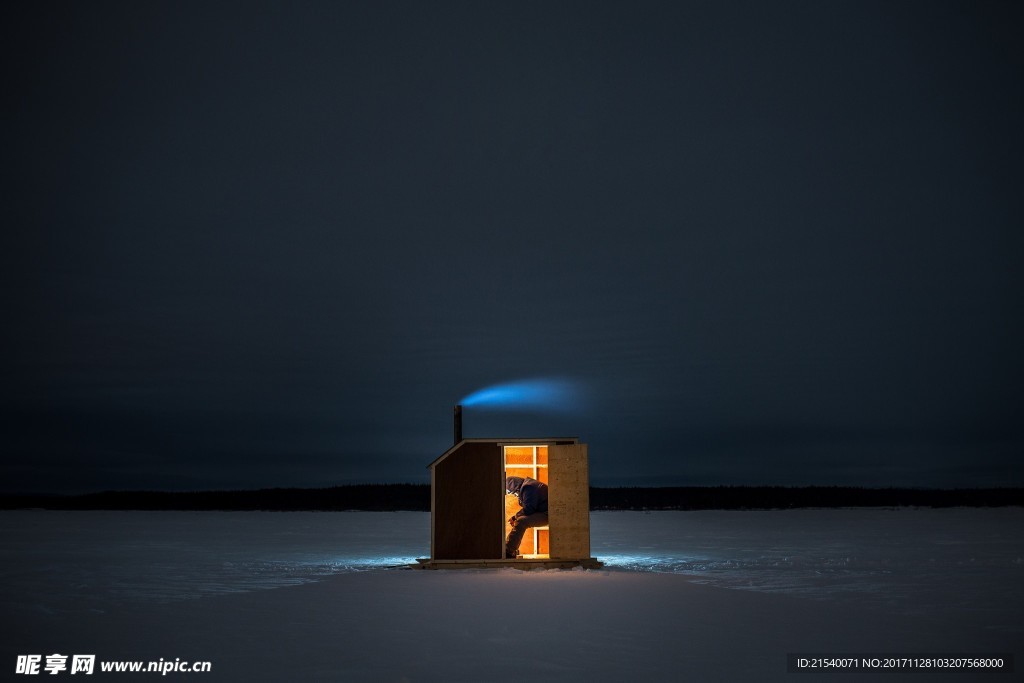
528,394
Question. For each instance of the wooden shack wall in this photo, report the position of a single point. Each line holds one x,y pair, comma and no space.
569,502
467,500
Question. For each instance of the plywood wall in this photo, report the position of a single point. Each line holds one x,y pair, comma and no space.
466,499
569,502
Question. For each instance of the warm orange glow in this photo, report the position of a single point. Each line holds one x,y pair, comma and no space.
523,472
527,461
511,508
542,542
519,459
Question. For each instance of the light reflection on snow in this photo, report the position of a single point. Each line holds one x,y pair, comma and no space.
362,564
885,557
53,561
647,563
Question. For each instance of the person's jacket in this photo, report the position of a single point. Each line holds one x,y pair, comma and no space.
532,496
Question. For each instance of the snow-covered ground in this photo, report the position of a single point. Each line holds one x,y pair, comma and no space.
147,585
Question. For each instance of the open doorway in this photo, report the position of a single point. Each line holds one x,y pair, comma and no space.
526,461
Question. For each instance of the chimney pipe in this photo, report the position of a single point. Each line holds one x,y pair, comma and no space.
458,424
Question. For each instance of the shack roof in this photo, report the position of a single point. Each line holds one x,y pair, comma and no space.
539,441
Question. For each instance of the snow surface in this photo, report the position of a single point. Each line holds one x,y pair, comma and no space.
196,585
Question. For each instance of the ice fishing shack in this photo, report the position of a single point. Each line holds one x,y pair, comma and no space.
469,508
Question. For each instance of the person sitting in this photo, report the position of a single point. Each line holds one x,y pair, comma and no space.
533,502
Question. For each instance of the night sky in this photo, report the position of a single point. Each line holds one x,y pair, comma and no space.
263,244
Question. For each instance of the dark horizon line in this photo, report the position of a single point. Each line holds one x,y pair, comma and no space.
416,497
97,492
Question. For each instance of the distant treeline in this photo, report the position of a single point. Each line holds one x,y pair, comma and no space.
785,497
372,497
394,497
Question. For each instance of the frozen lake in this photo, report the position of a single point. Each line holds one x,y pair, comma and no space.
907,561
